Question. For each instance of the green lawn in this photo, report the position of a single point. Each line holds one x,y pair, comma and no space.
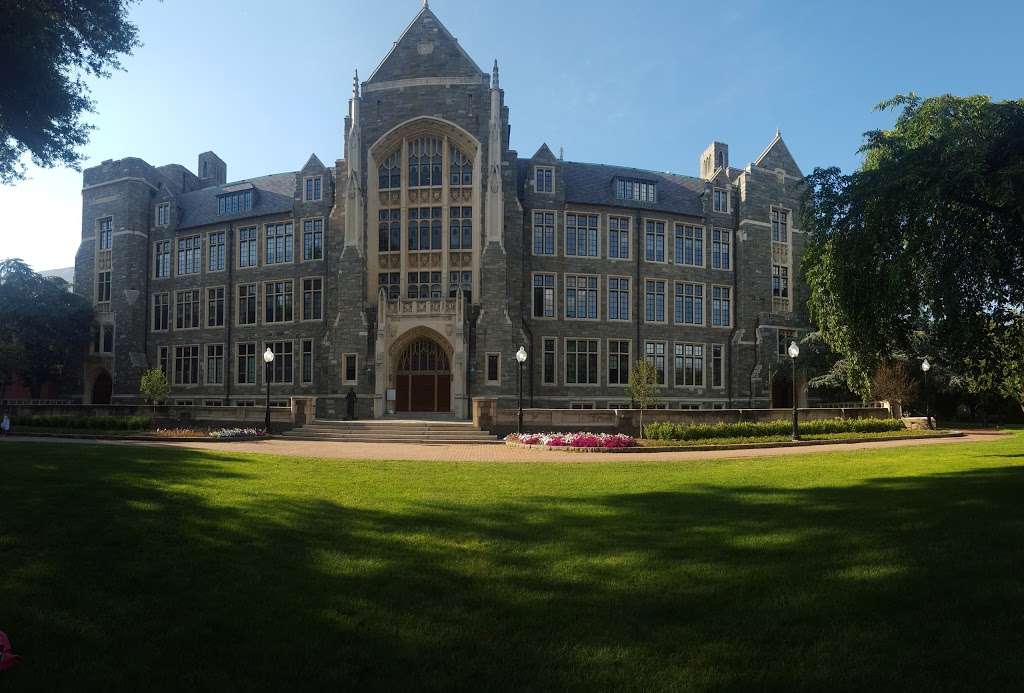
149,568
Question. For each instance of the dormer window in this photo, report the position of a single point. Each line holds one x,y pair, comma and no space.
638,190
721,200
234,202
313,192
163,214
544,179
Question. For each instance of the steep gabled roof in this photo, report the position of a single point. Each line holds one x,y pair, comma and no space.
594,184
274,195
777,155
425,49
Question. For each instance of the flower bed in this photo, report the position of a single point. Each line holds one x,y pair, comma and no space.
573,440
237,433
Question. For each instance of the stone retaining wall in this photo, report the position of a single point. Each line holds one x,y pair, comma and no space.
489,417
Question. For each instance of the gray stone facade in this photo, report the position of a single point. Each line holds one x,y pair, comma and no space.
354,249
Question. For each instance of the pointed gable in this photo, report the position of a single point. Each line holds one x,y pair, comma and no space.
777,155
313,164
425,49
544,155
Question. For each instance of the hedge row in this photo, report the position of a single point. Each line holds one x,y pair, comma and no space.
96,423
671,431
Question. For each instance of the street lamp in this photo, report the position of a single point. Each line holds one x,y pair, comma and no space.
268,358
925,367
793,352
521,358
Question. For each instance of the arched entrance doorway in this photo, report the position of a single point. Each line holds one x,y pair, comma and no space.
423,378
102,388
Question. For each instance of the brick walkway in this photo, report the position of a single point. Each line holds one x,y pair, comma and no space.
500,453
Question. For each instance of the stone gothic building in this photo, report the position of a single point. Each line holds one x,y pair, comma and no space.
412,270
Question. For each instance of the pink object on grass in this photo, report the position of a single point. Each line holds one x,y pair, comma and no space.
7,658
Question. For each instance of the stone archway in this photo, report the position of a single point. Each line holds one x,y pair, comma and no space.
423,378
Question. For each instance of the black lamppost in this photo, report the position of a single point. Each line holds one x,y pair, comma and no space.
268,358
521,359
793,352
925,367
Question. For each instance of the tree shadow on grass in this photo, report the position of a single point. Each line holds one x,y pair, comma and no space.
178,569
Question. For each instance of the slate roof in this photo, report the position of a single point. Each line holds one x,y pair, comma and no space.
274,194
594,184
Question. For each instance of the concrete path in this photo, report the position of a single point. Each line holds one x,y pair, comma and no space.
496,453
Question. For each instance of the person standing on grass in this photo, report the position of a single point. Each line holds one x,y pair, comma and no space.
5,425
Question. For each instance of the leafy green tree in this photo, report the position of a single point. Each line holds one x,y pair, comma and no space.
642,387
927,236
153,386
48,48
44,328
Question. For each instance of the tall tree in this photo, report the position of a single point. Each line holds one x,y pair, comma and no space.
927,236
48,48
43,326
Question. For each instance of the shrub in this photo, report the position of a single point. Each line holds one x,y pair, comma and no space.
574,440
237,433
671,431
95,423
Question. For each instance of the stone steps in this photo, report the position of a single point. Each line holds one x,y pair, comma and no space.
429,432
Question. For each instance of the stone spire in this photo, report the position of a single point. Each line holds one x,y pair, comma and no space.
354,160
494,201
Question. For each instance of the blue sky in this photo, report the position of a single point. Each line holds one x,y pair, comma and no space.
643,83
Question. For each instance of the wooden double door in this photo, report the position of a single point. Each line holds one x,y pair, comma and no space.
424,378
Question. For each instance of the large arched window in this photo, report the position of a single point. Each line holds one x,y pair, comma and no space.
425,155
461,168
389,175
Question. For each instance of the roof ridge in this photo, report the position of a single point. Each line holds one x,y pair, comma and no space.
635,168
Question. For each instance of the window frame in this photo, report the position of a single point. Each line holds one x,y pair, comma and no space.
554,360
679,230
207,357
196,310
288,248
554,296
193,254
608,361
174,359
618,245
167,319
278,358
664,358
162,209
249,243
255,365
596,255
721,359
682,314
488,380
731,303
554,232
618,291
727,234
725,194
679,379
223,306
565,296
238,304
318,188
208,250
305,360
664,309
286,294
537,169
157,257
597,363
344,368
664,240
303,281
